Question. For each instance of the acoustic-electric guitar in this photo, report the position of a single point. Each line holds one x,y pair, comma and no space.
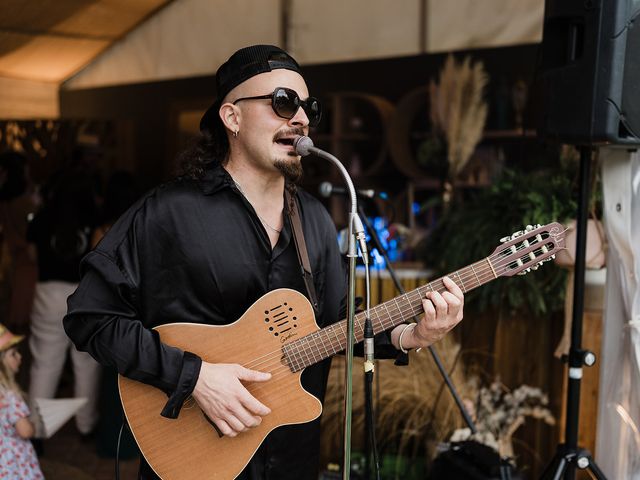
279,334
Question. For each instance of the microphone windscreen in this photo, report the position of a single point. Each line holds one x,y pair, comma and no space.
302,144
325,189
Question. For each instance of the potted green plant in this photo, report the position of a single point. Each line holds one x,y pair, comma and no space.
468,229
511,325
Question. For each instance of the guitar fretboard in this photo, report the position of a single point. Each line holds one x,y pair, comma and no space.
328,341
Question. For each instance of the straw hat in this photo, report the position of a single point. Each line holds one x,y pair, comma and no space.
8,339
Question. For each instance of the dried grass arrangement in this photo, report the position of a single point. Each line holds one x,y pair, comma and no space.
499,412
458,110
414,410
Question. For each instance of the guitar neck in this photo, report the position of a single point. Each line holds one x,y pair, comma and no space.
332,339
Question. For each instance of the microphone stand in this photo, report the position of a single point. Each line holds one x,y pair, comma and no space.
436,358
304,146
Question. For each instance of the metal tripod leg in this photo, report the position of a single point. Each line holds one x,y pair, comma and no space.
561,460
567,458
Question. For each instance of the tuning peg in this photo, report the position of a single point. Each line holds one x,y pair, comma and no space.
505,239
529,228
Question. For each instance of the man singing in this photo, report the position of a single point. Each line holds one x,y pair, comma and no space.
205,246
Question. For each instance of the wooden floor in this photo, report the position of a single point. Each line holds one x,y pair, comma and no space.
67,456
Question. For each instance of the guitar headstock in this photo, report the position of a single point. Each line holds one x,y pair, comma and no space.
527,249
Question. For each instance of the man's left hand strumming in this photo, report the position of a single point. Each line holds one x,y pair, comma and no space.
442,312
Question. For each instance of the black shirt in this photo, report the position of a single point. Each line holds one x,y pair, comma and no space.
195,251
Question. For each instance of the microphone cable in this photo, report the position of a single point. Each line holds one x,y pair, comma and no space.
369,367
118,447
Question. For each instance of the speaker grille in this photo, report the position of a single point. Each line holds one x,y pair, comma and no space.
590,72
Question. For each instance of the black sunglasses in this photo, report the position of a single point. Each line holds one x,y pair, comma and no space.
285,102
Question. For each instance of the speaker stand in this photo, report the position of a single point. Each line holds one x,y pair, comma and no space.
568,456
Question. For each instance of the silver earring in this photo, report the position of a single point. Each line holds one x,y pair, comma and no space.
235,134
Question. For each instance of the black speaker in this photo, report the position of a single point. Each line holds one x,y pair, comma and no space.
590,72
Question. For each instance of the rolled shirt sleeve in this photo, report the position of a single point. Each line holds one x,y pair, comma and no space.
103,320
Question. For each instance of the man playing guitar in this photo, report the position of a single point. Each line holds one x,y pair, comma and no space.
203,248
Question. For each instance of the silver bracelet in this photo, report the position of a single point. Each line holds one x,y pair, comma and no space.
404,330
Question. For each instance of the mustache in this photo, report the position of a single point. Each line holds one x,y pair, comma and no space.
288,133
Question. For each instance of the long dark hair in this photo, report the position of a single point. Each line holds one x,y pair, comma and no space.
207,149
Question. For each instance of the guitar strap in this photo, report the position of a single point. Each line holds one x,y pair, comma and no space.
301,248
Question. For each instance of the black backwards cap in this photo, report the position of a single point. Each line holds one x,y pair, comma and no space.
241,66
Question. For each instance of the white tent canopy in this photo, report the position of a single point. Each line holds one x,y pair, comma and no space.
193,37
110,42
45,42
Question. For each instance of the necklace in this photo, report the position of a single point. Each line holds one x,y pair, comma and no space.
267,225
264,222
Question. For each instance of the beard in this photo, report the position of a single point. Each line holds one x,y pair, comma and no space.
291,169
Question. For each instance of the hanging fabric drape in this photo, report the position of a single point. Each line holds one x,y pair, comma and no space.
618,439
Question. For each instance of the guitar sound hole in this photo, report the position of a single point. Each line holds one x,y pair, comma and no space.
280,321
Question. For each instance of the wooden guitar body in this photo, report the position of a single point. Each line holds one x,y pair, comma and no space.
189,447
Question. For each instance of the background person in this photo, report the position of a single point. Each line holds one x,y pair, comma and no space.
18,273
18,458
60,235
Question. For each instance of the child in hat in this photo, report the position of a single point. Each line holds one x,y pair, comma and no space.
18,458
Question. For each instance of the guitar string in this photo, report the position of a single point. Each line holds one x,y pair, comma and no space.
299,356
486,273
310,352
469,273
280,368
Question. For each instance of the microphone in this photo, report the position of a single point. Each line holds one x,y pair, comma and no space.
326,189
303,145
